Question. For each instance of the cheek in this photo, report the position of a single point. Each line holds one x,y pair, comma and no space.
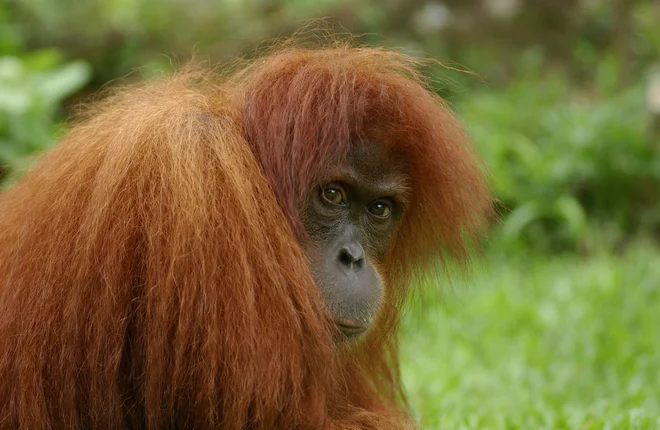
378,246
315,251
320,230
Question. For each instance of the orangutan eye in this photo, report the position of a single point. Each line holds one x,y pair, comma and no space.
333,195
380,209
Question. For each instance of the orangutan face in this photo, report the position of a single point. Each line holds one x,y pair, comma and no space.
350,218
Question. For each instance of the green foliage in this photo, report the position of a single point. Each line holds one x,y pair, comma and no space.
541,343
562,158
11,41
561,127
32,88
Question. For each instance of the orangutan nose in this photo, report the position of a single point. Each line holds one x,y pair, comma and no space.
351,256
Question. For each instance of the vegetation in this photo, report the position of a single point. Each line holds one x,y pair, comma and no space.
539,343
557,329
567,164
32,87
558,111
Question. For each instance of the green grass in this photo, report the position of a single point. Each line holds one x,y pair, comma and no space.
541,343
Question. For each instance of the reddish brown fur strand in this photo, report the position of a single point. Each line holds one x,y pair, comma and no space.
151,276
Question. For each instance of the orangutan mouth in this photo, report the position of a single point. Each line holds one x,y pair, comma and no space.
350,328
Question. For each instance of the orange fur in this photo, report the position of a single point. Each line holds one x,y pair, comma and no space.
150,268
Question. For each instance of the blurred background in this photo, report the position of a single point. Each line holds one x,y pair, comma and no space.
558,327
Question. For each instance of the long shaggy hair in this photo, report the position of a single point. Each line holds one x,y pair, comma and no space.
151,274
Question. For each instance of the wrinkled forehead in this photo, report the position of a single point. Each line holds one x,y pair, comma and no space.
371,161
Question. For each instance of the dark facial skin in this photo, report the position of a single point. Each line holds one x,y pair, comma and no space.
350,218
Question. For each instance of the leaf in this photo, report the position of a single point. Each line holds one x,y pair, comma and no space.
15,101
520,218
64,81
573,213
